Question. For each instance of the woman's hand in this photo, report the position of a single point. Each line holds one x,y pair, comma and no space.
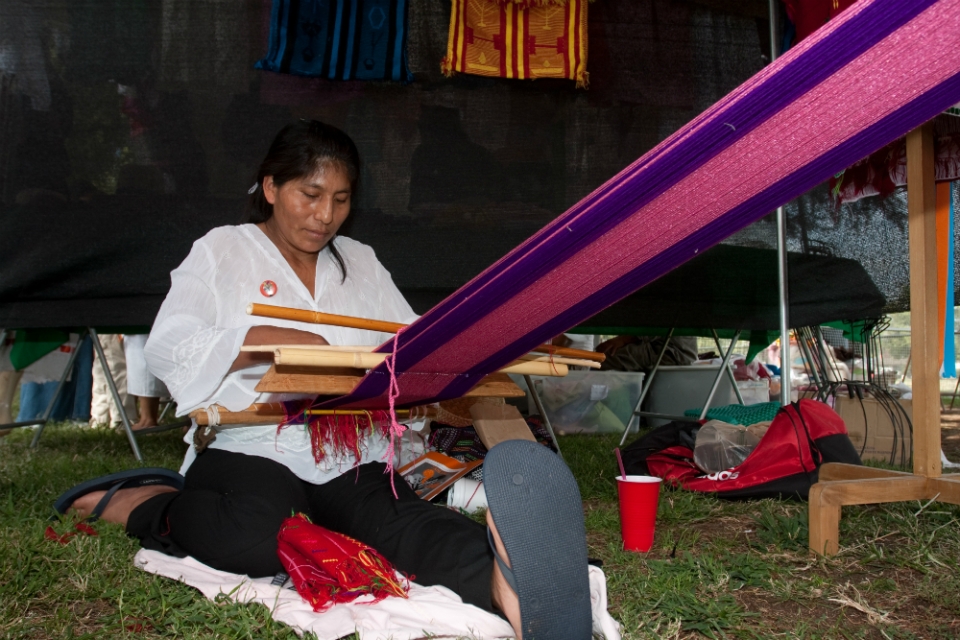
271,335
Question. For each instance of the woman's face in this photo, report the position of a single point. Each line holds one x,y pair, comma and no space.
308,211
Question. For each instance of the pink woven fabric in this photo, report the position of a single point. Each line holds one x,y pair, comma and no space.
880,69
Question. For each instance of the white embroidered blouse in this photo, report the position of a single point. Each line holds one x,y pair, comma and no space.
203,322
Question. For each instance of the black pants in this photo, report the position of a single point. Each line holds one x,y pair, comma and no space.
230,510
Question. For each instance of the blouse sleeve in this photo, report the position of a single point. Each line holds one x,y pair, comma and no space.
187,349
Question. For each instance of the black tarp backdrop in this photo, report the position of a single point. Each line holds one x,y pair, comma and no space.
128,128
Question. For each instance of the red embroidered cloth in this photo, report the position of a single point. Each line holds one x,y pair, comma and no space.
328,568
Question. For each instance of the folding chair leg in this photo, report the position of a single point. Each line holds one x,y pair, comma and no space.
543,412
716,381
733,379
163,412
116,394
645,387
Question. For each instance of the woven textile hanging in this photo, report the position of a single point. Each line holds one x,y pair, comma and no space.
338,39
537,3
513,40
869,76
882,172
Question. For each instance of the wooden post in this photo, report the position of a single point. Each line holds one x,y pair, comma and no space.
924,347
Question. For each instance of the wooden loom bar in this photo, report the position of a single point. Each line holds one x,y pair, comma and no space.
286,379
305,357
316,317
530,357
272,413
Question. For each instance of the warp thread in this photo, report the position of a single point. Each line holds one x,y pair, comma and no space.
396,429
343,434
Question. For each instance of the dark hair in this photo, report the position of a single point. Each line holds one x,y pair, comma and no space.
299,150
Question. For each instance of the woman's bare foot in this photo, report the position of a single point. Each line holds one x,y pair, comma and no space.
504,598
123,502
149,412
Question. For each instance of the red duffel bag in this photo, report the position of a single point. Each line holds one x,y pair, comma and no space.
785,463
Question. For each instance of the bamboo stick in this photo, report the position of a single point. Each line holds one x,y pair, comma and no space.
271,348
573,362
530,357
316,317
295,356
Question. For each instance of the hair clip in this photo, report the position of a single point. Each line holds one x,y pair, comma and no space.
252,189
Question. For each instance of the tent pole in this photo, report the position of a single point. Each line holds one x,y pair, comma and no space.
42,421
783,292
112,385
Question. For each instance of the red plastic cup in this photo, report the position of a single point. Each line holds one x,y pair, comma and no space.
639,496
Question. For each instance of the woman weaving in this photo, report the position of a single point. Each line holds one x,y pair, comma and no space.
239,490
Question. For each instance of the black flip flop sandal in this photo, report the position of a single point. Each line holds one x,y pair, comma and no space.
180,424
536,507
113,483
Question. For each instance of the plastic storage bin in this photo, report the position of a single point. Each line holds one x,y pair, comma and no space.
754,391
589,401
676,389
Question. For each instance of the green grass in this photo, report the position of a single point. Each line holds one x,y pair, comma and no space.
717,569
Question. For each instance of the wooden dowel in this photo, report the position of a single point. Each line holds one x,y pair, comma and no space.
573,362
315,317
272,413
271,348
294,356
571,353
416,413
240,417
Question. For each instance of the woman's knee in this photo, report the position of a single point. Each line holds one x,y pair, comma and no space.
233,532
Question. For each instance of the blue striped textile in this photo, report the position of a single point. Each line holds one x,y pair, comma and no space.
338,39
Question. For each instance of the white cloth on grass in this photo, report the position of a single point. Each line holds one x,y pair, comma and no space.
428,612
140,382
203,322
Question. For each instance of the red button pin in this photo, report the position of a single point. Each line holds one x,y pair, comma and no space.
268,288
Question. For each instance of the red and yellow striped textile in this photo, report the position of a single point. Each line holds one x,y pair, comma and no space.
510,40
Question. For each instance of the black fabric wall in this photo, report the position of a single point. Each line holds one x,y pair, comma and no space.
128,128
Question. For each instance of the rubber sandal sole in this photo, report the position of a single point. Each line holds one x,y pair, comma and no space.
163,427
130,479
536,507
